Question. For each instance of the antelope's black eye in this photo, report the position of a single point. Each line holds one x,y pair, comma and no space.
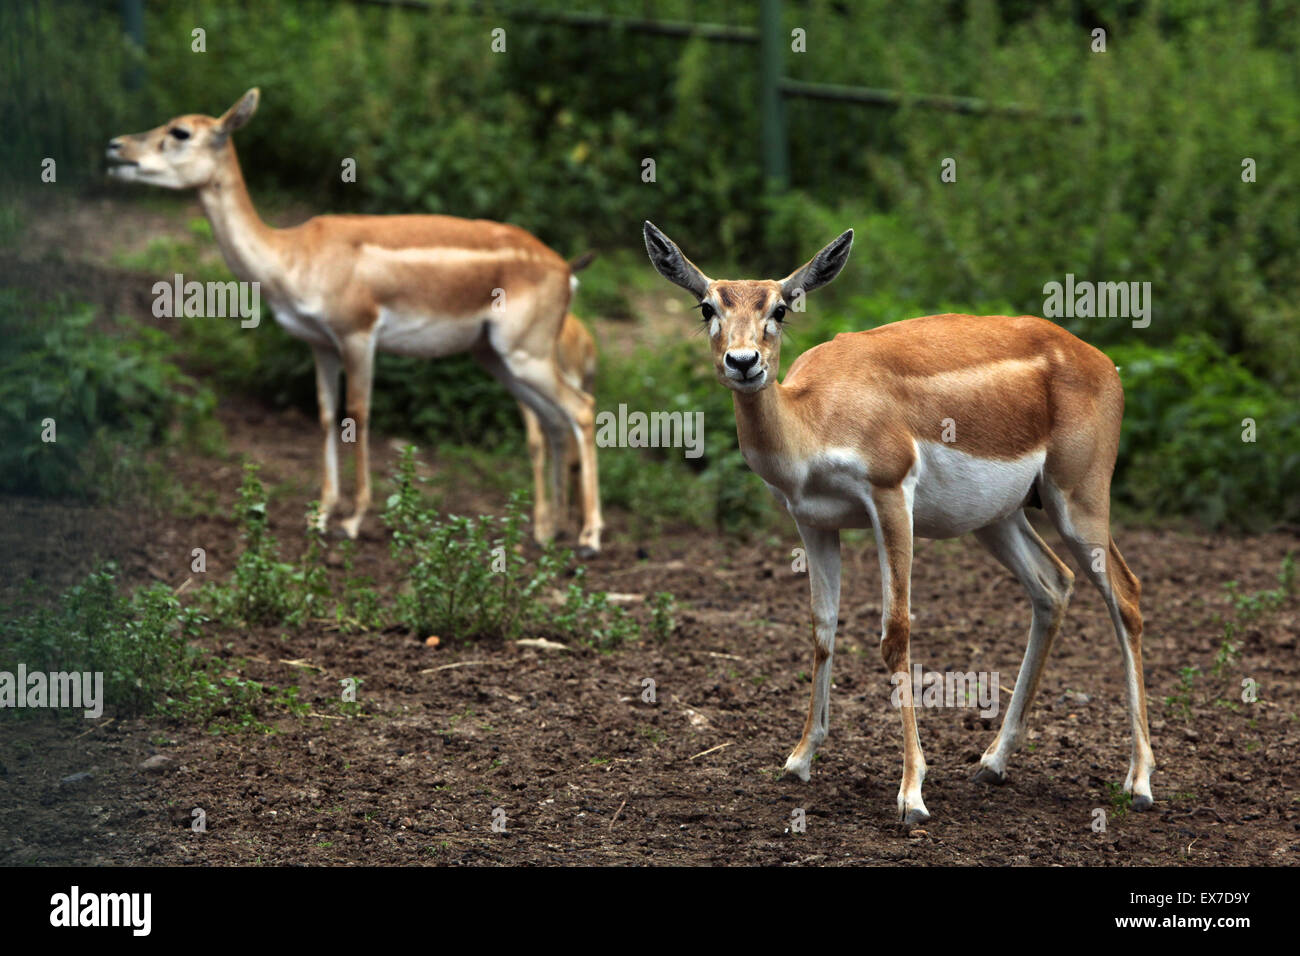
707,311
779,313
179,133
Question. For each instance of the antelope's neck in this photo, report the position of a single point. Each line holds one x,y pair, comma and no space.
250,246
767,427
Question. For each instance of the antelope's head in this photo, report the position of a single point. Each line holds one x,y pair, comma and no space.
183,153
744,317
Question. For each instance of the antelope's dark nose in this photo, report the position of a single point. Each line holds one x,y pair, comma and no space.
742,360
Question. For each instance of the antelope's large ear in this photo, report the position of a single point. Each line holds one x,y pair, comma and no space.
235,117
821,268
672,265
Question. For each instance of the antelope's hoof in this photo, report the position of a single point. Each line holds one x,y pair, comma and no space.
1142,801
990,776
796,768
586,552
915,817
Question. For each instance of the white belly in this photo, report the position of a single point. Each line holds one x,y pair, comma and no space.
953,492
950,492
426,336
304,327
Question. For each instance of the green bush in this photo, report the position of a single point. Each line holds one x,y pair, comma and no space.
264,589
140,645
1188,410
1148,188
467,577
463,577
136,642
110,398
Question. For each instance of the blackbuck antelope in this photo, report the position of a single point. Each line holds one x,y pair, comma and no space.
933,426
429,286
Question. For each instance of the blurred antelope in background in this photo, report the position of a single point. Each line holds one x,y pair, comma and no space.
576,356
429,286
931,427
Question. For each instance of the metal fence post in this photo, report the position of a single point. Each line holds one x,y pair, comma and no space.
133,27
771,54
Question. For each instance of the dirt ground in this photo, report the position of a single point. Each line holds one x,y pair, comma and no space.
585,771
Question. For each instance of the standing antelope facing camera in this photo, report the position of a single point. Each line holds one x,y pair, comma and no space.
854,438
429,286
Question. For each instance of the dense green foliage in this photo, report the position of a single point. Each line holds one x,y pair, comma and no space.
140,644
552,134
137,643
1203,437
78,407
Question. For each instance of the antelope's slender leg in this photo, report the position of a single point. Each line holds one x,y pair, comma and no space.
327,404
358,365
1082,515
563,411
552,424
823,549
892,518
582,410
576,423
1048,581
543,520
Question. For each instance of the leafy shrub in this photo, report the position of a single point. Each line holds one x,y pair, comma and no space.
263,589
1148,186
1183,448
136,642
139,643
663,607
466,577
110,398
